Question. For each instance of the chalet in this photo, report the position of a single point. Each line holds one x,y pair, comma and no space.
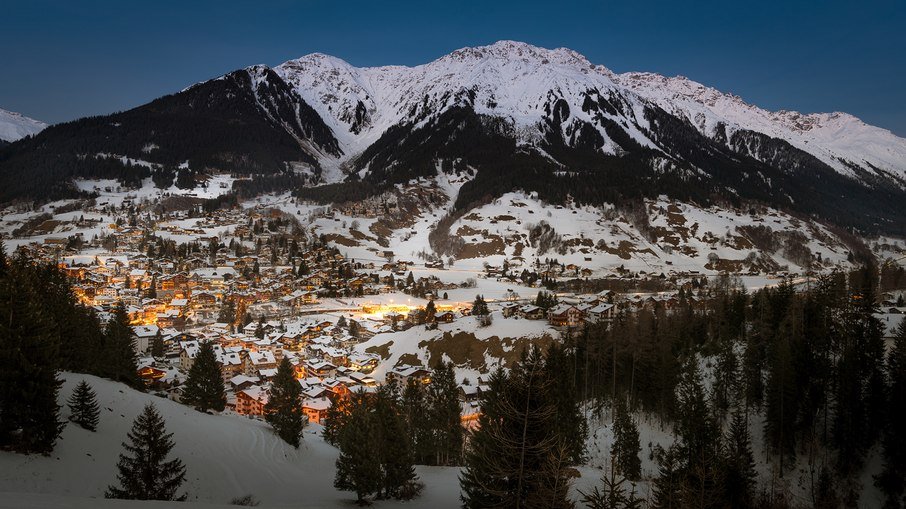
334,356
531,312
178,305
336,387
203,300
444,317
565,315
267,374
151,375
316,408
144,336
241,382
601,312
321,369
251,401
315,391
230,361
254,361
403,374
363,362
510,309
188,351
362,379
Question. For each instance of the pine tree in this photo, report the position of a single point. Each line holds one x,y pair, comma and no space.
698,440
227,312
394,447
626,446
613,495
119,338
152,289
204,386
445,412
781,398
284,405
430,311
335,421
516,457
479,306
358,467
29,360
892,479
259,330
545,300
157,345
667,492
354,328
143,472
739,464
421,421
559,369
83,407
859,387
341,322
725,376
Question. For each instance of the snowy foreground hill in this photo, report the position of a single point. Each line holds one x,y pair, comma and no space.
226,456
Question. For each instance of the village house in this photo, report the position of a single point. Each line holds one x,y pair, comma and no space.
601,312
530,312
251,401
565,315
144,336
316,408
255,361
403,374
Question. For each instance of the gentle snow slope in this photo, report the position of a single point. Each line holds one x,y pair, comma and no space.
225,456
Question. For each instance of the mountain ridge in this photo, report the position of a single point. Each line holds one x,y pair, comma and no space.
516,115
15,126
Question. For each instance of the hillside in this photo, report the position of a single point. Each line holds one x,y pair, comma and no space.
225,456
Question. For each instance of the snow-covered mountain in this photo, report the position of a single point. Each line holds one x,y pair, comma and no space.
523,83
513,80
14,126
838,139
516,117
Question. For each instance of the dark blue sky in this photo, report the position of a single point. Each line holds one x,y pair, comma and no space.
61,60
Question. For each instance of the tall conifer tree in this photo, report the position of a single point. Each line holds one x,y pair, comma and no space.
144,471
204,386
83,407
284,404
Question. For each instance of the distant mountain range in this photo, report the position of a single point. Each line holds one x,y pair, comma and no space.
514,116
15,126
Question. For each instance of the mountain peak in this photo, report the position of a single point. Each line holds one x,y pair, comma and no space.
520,51
320,60
14,126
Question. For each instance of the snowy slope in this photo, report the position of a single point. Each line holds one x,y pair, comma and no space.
14,126
680,236
225,456
832,137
